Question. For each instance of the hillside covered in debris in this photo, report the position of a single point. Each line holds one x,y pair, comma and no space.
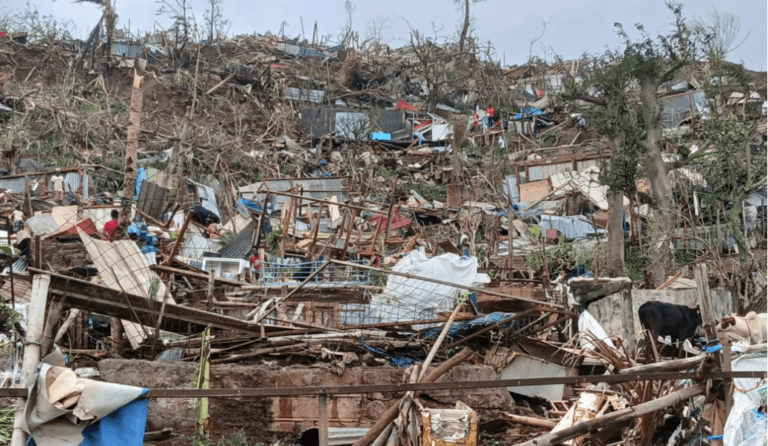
297,232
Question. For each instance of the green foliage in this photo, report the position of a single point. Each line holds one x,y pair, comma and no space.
273,240
226,238
634,262
8,316
7,415
733,166
154,287
562,257
426,189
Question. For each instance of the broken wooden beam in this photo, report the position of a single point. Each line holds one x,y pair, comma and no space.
614,418
665,366
530,421
109,302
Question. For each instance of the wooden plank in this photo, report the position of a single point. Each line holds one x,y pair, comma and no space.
129,306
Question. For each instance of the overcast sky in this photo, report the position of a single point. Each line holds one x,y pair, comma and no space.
573,27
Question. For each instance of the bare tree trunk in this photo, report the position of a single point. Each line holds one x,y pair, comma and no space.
465,28
657,176
615,267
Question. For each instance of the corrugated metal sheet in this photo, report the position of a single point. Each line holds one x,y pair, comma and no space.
20,265
207,197
538,173
302,94
152,199
42,224
319,188
195,246
241,244
13,184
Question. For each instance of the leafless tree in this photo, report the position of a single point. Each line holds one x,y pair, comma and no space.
179,10
214,20
465,25
722,29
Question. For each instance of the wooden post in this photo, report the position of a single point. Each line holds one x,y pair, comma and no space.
131,151
705,305
31,348
322,409
116,335
391,208
179,239
349,233
629,325
728,382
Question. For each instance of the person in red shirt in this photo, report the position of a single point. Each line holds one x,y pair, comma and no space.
111,226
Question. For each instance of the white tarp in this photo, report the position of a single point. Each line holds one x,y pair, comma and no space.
745,426
411,298
588,324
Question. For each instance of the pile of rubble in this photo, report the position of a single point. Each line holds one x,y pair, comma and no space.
290,215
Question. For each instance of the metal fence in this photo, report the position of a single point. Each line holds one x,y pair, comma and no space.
292,271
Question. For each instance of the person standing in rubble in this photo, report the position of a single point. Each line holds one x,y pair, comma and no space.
57,181
111,226
18,219
254,261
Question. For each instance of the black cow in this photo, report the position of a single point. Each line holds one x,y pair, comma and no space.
676,321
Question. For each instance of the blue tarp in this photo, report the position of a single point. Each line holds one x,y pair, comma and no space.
250,204
140,230
462,329
141,175
124,427
528,112
397,361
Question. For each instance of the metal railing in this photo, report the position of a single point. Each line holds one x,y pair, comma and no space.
293,271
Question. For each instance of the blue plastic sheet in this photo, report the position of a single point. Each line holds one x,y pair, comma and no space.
124,427
250,204
465,328
527,112
141,231
141,175
397,361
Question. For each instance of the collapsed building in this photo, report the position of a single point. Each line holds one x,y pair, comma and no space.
388,230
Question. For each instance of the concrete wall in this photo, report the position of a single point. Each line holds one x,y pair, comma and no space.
263,417
608,311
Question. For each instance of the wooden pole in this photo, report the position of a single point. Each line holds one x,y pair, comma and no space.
322,409
31,348
179,239
530,421
131,151
665,366
705,305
